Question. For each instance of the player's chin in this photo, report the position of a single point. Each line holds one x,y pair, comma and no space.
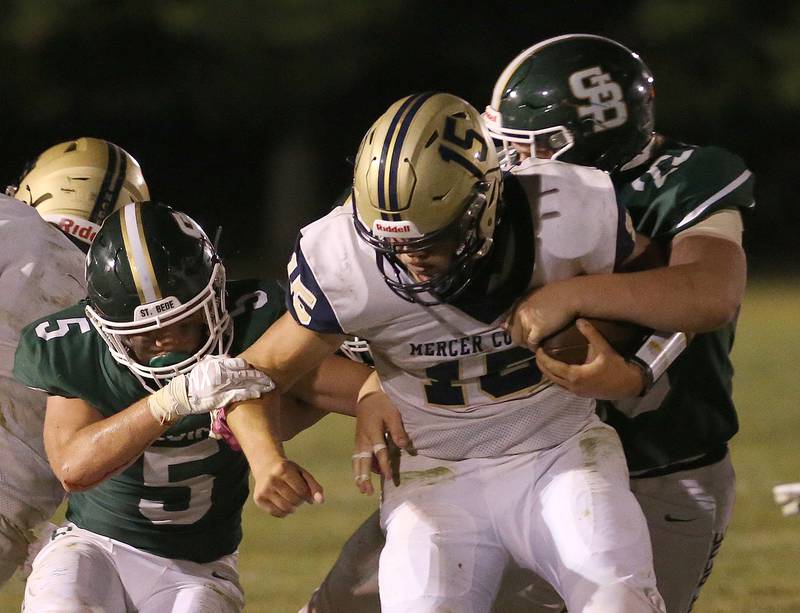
420,276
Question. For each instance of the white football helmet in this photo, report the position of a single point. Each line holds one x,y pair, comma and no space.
75,185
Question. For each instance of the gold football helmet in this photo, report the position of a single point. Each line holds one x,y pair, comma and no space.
75,185
427,171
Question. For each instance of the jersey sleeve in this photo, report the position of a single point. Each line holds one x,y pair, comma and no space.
729,185
48,350
334,284
40,272
626,236
685,186
306,300
254,305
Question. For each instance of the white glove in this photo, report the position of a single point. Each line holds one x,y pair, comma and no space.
215,381
787,496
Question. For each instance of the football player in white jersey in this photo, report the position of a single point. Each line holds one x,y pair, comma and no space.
589,100
74,186
424,261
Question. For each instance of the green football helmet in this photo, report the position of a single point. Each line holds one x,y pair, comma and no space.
582,98
76,184
149,267
426,171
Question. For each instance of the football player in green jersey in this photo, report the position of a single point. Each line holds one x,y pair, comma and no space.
589,100
72,185
154,516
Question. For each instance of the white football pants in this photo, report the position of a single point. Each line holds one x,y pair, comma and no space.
80,572
566,513
687,513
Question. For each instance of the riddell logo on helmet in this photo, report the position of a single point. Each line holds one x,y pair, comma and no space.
74,226
400,229
403,228
69,226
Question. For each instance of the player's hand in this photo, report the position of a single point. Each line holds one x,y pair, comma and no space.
606,375
283,486
217,381
541,313
787,497
379,435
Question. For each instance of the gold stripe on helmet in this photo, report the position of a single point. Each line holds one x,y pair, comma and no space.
139,260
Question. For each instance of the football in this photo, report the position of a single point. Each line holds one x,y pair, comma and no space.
570,346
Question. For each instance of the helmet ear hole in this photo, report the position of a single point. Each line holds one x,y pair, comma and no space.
587,126
557,140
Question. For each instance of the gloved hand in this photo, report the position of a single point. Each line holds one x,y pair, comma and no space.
215,381
787,496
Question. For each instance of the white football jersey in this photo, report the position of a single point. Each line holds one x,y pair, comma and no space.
463,389
41,271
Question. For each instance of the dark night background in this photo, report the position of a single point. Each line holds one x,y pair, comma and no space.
244,113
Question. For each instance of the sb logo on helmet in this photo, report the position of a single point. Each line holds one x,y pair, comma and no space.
606,105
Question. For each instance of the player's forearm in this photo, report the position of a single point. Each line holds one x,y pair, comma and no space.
256,425
334,386
371,385
287,352
98,450
691,296
297,415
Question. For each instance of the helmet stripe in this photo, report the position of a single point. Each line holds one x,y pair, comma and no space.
107,196
141,265
394,204
387,141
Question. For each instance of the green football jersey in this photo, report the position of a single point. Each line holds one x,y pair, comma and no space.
182,498
678,187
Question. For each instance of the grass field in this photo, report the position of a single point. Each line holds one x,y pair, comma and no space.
756,570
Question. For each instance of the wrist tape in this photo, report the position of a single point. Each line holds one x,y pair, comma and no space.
170,401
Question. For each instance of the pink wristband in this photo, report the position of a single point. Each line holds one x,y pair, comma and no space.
221,431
